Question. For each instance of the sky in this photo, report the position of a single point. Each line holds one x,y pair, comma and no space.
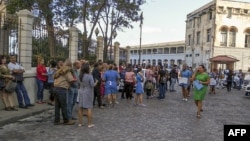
164,21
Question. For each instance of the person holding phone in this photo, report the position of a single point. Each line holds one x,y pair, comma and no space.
203,78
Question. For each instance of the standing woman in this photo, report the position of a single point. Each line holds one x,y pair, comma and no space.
110,77
229,80
203,78
41,75
139,88
5,76
51,71
129,82
86,94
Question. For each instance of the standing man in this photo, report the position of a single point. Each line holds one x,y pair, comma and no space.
17,71
173,78
97,77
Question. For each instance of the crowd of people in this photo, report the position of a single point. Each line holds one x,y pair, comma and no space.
83,84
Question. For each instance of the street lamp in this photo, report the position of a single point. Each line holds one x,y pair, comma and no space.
114,34
141,23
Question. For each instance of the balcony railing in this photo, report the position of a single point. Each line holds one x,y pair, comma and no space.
231,44
223,44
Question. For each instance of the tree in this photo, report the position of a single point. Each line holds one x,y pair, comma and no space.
117,15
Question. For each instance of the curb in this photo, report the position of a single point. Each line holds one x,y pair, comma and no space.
21,116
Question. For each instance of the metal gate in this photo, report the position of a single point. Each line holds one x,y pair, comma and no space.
8,34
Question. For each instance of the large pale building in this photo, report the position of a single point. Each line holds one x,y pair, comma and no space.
167,53
221,27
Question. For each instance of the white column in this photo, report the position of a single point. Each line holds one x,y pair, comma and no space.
117,51
73,44
99,48
128,54
25,19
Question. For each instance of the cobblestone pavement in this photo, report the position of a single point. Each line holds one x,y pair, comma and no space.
169,120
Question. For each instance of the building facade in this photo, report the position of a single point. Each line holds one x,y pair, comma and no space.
168,54
221,27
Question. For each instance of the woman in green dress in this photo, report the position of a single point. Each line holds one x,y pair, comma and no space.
203,78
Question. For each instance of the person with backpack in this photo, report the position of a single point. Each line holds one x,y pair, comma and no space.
162,81
173,77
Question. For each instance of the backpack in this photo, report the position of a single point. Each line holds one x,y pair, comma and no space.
163,79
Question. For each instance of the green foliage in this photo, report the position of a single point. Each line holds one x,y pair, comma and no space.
15,5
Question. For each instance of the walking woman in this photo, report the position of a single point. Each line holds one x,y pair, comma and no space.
86,94
139,88
202,77
110,77
5,77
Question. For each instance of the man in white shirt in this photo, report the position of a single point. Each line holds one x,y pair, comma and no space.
17,71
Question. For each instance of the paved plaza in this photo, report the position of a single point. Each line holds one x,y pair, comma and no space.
169,120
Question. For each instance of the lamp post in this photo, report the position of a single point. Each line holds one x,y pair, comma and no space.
141,22
114,34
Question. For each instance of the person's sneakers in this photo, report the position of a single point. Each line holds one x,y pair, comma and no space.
142,105
116,102
91,125
186,99
183,99
70,122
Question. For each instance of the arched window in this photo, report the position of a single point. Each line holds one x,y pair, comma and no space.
154,62
159,62
134,61
223,32
149,62
165,63
172,62
232,36
130,61
247,37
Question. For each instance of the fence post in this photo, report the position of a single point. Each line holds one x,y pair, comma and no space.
128,54
99,49
73,44
117,53
25,20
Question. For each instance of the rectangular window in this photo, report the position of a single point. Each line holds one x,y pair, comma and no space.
245,11
155,51
149,51
209,35
160,50
166,50
247,41
135,52
180,50
232,39
131,52
210,15
189,40
223,38
198,34
173,50
229,12
237,11
144,51
198,21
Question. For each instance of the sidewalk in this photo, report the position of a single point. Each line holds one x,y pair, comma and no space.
7,117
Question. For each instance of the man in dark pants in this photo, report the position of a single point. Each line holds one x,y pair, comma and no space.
97,76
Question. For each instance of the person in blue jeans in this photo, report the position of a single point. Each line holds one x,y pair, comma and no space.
162,82
17,71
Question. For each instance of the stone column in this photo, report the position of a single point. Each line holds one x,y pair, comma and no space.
117,51
128,54
25,19
99,48
73,44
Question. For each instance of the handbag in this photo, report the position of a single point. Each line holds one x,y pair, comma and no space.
183,80
2,83
10,86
